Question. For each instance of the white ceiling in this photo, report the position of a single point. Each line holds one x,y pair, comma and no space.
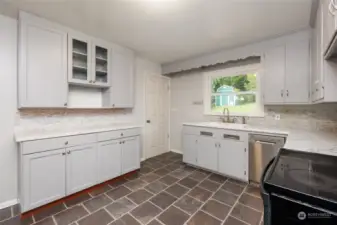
171,30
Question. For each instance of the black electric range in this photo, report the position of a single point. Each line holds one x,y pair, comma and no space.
300,188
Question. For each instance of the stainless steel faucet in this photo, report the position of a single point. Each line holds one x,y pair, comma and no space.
227,120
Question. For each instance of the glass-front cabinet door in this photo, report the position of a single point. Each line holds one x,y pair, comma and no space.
79,60
101,64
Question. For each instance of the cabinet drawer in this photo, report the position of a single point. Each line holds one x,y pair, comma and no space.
81,139
233,135
201,131
104,136
30,147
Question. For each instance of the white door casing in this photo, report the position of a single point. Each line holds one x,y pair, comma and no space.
157,106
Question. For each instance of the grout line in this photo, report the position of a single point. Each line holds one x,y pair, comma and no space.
204,203
253,195
85,208
221,202
12,212
250,207
107,211
33,217
236,202
202,210
173,204
140,222
54,220
239,220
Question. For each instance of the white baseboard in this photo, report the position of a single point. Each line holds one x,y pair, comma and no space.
8,203
142,159
176,151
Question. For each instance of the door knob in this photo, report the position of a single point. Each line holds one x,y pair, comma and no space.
148,121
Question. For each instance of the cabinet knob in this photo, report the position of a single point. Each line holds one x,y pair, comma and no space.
63,153
281,93
94,81
65,104
287,93
120,142
66,143
122,134
113,105
69,152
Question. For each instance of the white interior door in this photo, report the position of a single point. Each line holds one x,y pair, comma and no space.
157,103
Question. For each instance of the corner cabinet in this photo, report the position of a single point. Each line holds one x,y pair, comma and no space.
42,77
287,73
218,150
121,93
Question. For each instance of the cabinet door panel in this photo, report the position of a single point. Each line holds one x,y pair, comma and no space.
121,92
101,67
207,153
130,154
81,167
297,72
109,160
44,178
233,159
42,65
190,149
79,56
274,75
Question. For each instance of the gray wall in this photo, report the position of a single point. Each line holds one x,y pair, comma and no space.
186,106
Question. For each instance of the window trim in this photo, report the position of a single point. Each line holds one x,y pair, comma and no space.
207,80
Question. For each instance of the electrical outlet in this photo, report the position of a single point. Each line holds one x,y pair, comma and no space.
277,116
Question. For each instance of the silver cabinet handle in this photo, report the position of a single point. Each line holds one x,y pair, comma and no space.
282,93
228,136
205,133
69,152
66,143
287,93
65,104
63,153
122,134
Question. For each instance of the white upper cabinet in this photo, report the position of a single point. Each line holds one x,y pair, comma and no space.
121,93
42,63
287,73
101,63
274,75
79,64
297,72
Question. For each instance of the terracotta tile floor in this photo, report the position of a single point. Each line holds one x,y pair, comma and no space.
164,192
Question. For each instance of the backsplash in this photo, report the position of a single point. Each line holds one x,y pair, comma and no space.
72,117
321,117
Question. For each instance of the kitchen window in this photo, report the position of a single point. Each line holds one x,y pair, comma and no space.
237,89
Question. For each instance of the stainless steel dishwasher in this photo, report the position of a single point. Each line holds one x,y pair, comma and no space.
262,148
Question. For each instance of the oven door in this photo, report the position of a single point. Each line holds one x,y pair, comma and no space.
291,212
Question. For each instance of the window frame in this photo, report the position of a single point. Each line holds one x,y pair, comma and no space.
229,72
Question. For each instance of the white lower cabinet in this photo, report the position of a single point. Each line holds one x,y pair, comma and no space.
81,167
233,159
79,162
43,178
190,144
207,153
109,160
130,154
219,150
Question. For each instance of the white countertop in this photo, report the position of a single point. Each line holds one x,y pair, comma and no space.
29,134
310,141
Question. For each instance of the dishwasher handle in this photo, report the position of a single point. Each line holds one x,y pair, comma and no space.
267,142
